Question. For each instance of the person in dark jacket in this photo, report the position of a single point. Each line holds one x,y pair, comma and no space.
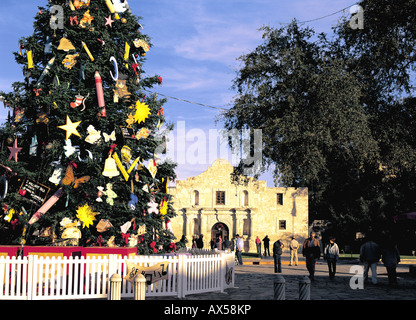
391,258
312,252
277,256
370,255
266,242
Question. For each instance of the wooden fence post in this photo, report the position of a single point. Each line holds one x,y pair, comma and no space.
115,287
139,287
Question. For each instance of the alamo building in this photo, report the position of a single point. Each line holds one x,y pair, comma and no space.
211,205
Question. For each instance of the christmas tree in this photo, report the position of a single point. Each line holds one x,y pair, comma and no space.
79,153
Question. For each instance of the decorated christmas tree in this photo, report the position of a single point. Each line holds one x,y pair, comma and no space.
79,161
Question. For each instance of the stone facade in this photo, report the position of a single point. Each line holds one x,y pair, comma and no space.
210,204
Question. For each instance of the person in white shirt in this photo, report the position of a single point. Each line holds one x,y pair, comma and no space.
331,254
239,249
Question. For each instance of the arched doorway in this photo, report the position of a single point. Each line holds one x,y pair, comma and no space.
219,229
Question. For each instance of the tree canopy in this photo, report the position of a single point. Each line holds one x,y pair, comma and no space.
337,113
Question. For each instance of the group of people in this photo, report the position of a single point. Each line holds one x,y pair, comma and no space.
370,254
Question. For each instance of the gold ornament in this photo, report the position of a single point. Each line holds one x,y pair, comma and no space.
70,60
70,128
142,112
65,45
86,215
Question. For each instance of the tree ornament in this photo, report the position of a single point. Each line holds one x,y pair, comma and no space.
109,21
126,54
86,21
100,94
119,6
94,136
112,9
164,207
120,166
86,215
142,112
46,71
70,60
33,148
73,19
142,45
100,193
70,128
143,133
69,149
111,195
46,206
79,4
70,178
65,45
120,90
84,45
78,100
110,168
125,154
133,201
14,151
110,137
29,56
57,175
152,167
114,61
104,225
152,206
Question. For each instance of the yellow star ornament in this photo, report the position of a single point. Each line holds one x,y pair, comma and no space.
86,215
70,128
142,112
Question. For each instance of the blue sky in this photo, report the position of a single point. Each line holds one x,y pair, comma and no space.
195,49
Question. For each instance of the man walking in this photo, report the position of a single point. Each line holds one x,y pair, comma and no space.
312,252
294,246
239,245
370,255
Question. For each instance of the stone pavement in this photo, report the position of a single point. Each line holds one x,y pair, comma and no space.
256,282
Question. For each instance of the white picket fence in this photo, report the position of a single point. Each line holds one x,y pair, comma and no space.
40,278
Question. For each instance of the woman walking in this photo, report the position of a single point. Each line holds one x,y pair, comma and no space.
331,255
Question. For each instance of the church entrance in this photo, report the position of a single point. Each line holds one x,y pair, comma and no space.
219,231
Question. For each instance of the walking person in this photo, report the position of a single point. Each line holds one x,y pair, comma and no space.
331,255
266,242
370,255
258,246
312,252
391,258
277,256
294,246
239,245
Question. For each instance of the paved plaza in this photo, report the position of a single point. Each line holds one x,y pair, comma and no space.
256,282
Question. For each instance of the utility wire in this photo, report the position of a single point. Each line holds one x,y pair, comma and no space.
323,17
187,101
